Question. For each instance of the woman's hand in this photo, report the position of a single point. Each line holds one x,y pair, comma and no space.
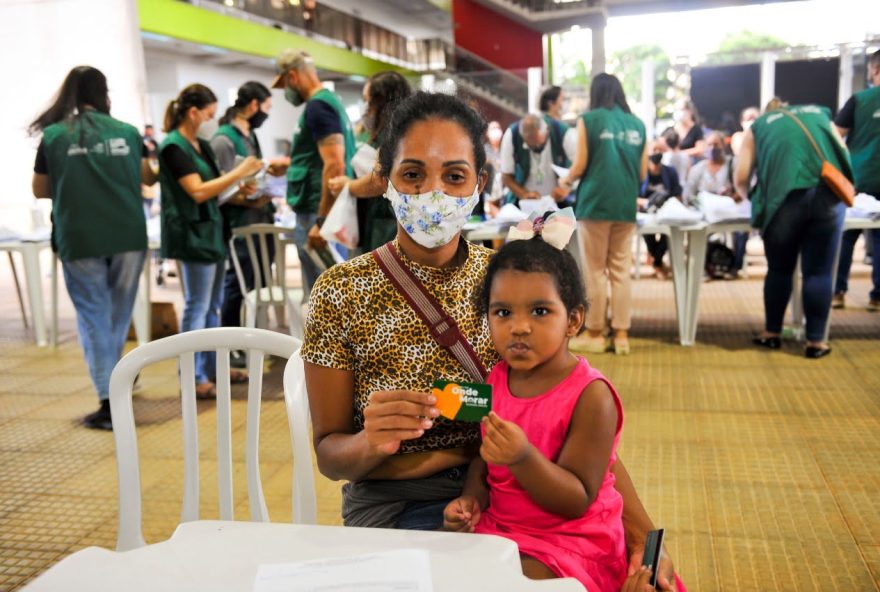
665,575
462,514
393,416
249,167
504,443
336,184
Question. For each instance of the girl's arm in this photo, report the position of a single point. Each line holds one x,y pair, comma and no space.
566,488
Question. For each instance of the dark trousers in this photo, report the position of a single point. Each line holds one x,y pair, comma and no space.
657,247
808,223
739,249
231,312
847,244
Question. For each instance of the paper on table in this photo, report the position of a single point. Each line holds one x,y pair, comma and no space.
720,208
406,570
676,213
509,213
864,206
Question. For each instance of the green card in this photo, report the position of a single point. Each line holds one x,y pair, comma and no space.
462,401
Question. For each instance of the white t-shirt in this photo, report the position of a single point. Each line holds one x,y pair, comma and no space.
542,177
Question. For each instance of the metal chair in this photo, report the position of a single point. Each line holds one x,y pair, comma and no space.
270,286
257,343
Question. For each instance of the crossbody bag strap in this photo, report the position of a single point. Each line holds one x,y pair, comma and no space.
442,327
807,132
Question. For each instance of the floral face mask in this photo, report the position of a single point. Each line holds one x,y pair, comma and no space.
432,219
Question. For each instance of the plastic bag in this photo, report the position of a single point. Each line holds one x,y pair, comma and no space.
341,224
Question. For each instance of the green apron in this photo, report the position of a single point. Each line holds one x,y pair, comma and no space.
190,231
864,141
236,216
94,167
304,175
787,160
611,181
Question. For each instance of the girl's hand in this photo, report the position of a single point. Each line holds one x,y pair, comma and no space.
393,416
461,514
337,183
638,581
504,443
665,574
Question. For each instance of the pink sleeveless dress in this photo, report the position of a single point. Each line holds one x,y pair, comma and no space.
590,548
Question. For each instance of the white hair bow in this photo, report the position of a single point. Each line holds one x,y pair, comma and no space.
555,229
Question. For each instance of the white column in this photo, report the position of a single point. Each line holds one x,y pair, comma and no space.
598,35
43,41
768,78
427,82
845,84
649,109
536,81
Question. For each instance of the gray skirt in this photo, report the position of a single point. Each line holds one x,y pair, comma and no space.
378,504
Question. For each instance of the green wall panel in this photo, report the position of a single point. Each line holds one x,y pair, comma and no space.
177,19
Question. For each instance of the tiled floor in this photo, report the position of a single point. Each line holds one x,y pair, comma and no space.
763,466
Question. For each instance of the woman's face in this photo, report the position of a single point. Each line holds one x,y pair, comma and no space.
436,155
198,117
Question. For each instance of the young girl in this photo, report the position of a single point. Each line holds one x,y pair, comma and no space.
543,477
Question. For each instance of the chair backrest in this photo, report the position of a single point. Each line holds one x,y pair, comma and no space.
305,509
267,274
257,342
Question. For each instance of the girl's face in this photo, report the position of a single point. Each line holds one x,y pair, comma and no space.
528,320
436,155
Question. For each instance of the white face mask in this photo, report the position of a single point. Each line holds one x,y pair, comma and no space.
432,219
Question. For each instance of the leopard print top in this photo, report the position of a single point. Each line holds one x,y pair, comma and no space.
358,321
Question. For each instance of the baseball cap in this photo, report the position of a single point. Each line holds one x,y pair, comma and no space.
287,60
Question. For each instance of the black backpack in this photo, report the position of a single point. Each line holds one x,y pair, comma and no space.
719,260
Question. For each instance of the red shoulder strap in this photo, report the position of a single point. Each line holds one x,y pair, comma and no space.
443,327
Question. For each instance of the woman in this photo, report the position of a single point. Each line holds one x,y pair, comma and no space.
713,174
236,137
687,125
91,166
192,228
797,214
376,222
611,161
369,360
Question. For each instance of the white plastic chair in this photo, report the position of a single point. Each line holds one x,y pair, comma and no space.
257,343
270,286
295,399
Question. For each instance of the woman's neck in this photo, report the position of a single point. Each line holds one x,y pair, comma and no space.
189,133
440,257
243,124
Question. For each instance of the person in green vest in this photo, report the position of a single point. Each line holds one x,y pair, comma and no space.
530,148
376,221
797,214
859,121
192,227
611,162
91,166
323,146
236,137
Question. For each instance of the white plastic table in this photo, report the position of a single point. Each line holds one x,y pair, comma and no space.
224,557
30,254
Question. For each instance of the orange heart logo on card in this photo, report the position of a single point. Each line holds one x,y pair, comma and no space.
462,401
448,400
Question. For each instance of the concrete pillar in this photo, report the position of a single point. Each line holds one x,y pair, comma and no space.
845,84
427,82
536,81
598,49
768,78
100,33
649,108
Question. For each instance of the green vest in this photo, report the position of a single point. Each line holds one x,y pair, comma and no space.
864,141
787,160
190,231
236,216
306,167
523,160
611,181
95,171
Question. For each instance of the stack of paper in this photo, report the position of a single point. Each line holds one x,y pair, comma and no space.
720,208
542,205
509,213
864,206
675,213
